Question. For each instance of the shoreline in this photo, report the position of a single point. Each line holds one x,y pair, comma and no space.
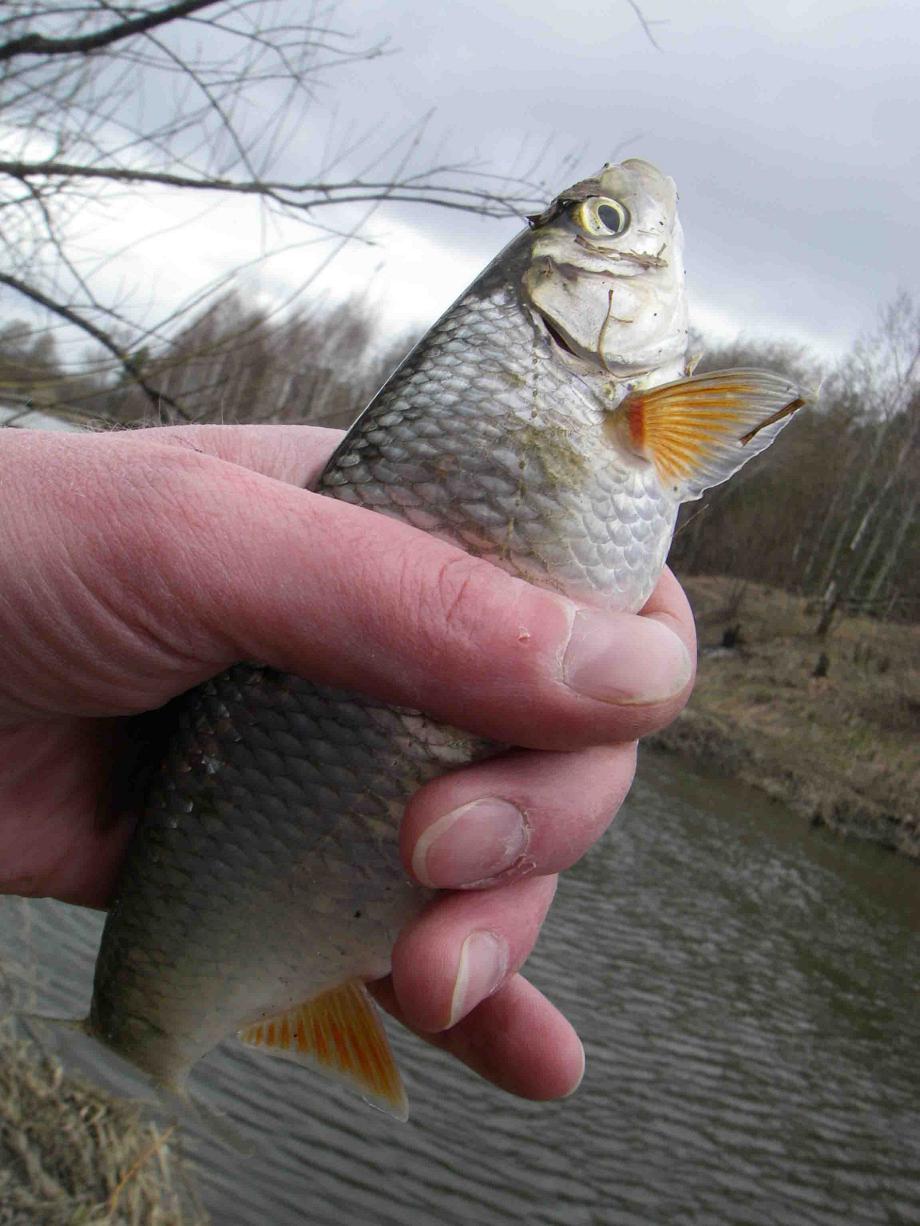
838,749
71,1152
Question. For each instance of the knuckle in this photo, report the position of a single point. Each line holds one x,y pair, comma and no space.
456,597
157,517
144,503
456,584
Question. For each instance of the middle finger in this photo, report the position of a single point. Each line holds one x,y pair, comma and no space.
521,814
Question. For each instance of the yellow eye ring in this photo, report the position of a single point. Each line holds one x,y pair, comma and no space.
601,216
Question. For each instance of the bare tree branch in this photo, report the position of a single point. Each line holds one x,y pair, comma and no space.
38,44
101,97
645,24
445,195
127,363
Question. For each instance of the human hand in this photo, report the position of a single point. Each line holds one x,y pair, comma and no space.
135,565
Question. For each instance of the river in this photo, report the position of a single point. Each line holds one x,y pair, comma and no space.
748,992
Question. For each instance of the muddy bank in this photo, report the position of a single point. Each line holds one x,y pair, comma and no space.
835,739
71,1155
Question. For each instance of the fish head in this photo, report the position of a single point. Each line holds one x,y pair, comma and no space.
606,273
604,277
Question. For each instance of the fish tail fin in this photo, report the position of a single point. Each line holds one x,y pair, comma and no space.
170,1096
174,1098
340,1034
57,1025
699,430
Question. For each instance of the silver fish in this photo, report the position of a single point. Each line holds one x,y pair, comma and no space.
547,422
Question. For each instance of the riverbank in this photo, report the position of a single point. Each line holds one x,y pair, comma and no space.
838,743
72,1155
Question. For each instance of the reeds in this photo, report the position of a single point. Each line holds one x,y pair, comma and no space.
71,1155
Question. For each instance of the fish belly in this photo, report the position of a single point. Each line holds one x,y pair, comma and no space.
266,868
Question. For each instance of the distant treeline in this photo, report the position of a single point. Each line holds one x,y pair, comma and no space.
231,364
830,511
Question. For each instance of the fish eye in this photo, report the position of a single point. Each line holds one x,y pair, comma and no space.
601,216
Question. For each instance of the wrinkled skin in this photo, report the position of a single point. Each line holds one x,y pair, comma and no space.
134,566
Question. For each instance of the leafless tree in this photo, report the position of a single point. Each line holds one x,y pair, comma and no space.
237,363
102,101
831,513
884,371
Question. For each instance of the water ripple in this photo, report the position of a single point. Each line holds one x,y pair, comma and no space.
747,995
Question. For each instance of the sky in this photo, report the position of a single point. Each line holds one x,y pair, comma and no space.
791,130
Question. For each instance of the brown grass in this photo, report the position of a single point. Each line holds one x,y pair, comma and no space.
70,1155
842,749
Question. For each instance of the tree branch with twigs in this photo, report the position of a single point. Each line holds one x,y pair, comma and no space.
103,103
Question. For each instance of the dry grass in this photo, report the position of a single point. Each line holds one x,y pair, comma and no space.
72,1156
841,748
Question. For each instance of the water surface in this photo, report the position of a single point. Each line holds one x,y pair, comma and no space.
748,995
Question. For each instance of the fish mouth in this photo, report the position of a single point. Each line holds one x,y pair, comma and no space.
611,265
621,258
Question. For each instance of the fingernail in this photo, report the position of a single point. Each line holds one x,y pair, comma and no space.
642,661
470,844
482,966
581,1075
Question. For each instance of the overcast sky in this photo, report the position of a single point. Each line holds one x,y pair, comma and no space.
790,128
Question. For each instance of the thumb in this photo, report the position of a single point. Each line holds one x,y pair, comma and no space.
148,567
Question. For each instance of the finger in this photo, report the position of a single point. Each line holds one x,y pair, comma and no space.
521,814
52,841
668,605
158,565
383,609
463,947
354,599
516,1039
295,455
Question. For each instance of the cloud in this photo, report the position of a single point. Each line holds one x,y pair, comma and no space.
790,130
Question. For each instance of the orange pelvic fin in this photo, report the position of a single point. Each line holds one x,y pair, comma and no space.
698,431
340,1034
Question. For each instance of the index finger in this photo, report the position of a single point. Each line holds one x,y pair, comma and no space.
163,564
350,598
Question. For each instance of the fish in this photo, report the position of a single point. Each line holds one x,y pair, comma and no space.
548,422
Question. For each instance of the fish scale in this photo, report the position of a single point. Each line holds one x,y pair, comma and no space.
327,808
264,877
540,524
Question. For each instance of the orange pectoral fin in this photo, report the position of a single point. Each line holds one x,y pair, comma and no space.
340,1034
700,430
